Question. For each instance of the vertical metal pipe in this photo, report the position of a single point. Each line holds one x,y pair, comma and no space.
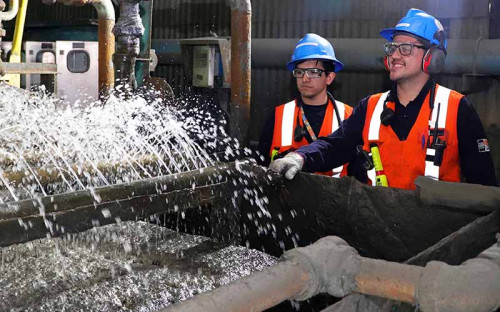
106,15
142,66
128,30
241,21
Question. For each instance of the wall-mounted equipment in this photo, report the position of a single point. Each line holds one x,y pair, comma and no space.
6,47
77,70
40,52
207,61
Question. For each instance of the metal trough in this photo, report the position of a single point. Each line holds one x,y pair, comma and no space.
248,205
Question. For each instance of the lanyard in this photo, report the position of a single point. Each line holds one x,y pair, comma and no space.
307,124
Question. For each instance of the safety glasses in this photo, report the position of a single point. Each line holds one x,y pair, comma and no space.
404,48
309,72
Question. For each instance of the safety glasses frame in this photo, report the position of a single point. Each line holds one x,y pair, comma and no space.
309,72
404,48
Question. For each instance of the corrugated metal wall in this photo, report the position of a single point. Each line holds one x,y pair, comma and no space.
175,19
39,12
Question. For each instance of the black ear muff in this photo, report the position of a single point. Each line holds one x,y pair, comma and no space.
387,115
433,61
386,63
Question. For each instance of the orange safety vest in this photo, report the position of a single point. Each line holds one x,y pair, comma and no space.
285,122
404,161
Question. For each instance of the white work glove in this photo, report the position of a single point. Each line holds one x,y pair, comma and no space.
288,166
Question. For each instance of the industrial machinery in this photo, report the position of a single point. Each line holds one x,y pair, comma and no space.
243,204
77,71
40,52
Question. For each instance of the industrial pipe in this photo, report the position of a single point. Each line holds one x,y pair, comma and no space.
128,31
472,286
142,67
29,68
12,12
241,22
464,55
55,215
106,16
51,175
330,265
458,195
256,292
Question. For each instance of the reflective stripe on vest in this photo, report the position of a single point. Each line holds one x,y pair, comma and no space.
373,134
335,125
441,102
287,124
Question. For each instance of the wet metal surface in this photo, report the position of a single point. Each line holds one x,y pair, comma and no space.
131,266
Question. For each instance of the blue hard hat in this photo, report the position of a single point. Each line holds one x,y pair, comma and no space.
314,47
421,24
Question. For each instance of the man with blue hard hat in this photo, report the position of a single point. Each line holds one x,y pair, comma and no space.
417,128
315,112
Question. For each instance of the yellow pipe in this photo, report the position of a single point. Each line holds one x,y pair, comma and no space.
15,56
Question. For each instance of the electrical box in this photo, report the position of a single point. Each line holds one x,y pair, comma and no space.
203,66
77,70
207,61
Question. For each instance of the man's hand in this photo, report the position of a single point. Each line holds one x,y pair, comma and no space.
288,166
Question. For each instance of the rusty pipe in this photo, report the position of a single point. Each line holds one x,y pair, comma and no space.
106,16
387,279
330,265
51,175
241,21
12,12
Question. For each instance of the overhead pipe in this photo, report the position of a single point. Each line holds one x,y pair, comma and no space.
128,31
331,265
106,16
241,22
12,12
464,55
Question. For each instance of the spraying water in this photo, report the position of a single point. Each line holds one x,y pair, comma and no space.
48,147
